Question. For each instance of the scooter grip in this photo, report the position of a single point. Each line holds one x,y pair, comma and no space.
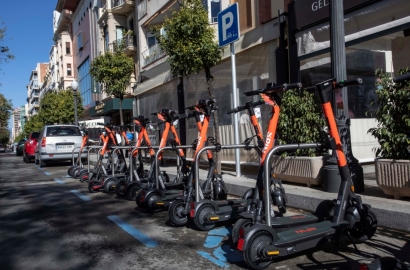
349,82
403,77
257,103
292,86
254,92
183,115
232,111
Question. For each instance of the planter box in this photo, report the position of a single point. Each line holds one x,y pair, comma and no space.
302,170
393,177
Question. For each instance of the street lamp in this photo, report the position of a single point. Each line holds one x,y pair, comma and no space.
74,85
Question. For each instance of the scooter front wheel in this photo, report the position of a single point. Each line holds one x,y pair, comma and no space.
94,186
201,218
365,230
121,188
70,170
140,198
175,213
109,185
151,203
239,224
253,254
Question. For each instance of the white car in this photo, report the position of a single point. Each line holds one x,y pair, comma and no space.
56,143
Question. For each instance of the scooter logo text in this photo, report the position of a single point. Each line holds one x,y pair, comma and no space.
268,141
306,230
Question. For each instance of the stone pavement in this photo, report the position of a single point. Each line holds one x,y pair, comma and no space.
391,213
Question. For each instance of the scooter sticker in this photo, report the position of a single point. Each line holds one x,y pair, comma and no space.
291,249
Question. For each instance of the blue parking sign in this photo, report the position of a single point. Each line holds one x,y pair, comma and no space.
228,25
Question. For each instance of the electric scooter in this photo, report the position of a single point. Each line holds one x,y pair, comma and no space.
261,243
207,213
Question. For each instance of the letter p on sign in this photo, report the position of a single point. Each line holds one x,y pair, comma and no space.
228,25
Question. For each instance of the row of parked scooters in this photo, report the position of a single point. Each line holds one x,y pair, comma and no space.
261,233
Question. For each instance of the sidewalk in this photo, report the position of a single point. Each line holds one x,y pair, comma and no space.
391,213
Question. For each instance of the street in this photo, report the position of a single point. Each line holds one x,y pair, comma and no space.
50,221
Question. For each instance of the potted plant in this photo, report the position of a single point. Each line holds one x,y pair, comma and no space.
392,161
300,121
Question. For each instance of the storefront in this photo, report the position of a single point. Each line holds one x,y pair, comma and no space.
111,108
377,35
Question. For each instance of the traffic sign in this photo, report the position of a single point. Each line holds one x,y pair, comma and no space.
228,25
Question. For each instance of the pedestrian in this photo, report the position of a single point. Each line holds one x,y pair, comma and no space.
130,137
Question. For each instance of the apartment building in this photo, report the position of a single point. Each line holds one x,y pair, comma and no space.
16,130
50,79
34,88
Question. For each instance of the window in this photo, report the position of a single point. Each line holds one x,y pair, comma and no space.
106,38
151,40
245,14
69,70
213,7
67,48
84,82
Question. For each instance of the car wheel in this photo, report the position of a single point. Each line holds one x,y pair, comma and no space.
35,161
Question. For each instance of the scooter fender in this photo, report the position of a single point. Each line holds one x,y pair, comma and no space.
250,231
203,202
132,185
153,191
352,216
247,215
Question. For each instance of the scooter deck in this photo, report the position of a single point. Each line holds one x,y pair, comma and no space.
281,223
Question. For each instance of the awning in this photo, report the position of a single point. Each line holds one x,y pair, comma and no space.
110,106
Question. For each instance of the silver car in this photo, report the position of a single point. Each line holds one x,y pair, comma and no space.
56,143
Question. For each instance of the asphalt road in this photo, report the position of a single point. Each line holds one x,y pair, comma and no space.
50,221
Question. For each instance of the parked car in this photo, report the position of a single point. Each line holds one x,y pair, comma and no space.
30,146
2,148
19,147
56,143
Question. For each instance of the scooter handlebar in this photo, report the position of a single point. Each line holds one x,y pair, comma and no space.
244,107
356,81
292,86
403,77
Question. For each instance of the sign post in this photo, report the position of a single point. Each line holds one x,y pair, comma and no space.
228,33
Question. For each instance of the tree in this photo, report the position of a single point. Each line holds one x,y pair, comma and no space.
190,45
5,54
113,70
5,112
33,124
58,107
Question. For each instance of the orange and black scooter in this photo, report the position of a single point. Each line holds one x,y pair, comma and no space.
207,213
262,243
75,169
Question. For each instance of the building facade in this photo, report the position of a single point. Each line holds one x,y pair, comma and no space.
16,130
34,88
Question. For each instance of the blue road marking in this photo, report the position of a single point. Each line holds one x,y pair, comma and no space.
221,254
67,176
133,232
47,173
208,256
39,168
59,181
213,241
81,196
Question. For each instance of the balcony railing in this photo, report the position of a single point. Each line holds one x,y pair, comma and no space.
127,43
152,54
142,9
121,6
34,94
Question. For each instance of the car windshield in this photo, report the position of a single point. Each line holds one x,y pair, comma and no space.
63,131
22,141
34,135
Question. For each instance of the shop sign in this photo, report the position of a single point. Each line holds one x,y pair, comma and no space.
99,108
311,11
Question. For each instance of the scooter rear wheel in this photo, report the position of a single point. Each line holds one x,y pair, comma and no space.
109,185
175,213
94,186
140,198
366,230
131,192
84,175
121,188
252,255
70,170
200,218
239,224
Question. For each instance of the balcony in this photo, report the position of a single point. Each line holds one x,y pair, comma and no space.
152,54
128,44
63,22
122,6
34,95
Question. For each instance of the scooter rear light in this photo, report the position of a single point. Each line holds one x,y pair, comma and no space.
142,198
363,267
241,242
192,211
43,142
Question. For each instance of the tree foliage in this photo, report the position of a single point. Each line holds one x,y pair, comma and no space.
113,70
300,121
21,136
393,116
6,108
58,107
33,124
191,47
5,54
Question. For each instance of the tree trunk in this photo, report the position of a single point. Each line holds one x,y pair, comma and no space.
181,110
209,81
120,105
